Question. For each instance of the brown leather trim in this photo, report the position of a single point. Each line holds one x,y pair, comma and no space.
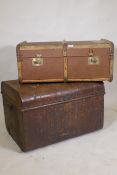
19,70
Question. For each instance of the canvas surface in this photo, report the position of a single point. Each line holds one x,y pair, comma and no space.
44,20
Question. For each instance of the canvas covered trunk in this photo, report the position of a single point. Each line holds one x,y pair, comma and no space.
38,115
65,61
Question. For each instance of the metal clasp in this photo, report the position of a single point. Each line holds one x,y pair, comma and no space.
92,60
37,60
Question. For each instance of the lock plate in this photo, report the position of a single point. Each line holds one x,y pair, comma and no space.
93,60
37,61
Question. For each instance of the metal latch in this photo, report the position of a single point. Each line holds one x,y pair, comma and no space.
37,60
92,59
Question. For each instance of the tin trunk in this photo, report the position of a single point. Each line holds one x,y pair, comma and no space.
38,115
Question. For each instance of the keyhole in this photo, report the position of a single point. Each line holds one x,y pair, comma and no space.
93,60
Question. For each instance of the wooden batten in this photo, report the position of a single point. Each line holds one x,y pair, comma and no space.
46,80
19,70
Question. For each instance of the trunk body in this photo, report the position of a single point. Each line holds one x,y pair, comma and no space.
39,115
65,61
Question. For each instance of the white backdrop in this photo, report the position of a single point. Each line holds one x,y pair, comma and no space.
52,20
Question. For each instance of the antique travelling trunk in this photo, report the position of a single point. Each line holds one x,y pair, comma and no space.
65,61
38,115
